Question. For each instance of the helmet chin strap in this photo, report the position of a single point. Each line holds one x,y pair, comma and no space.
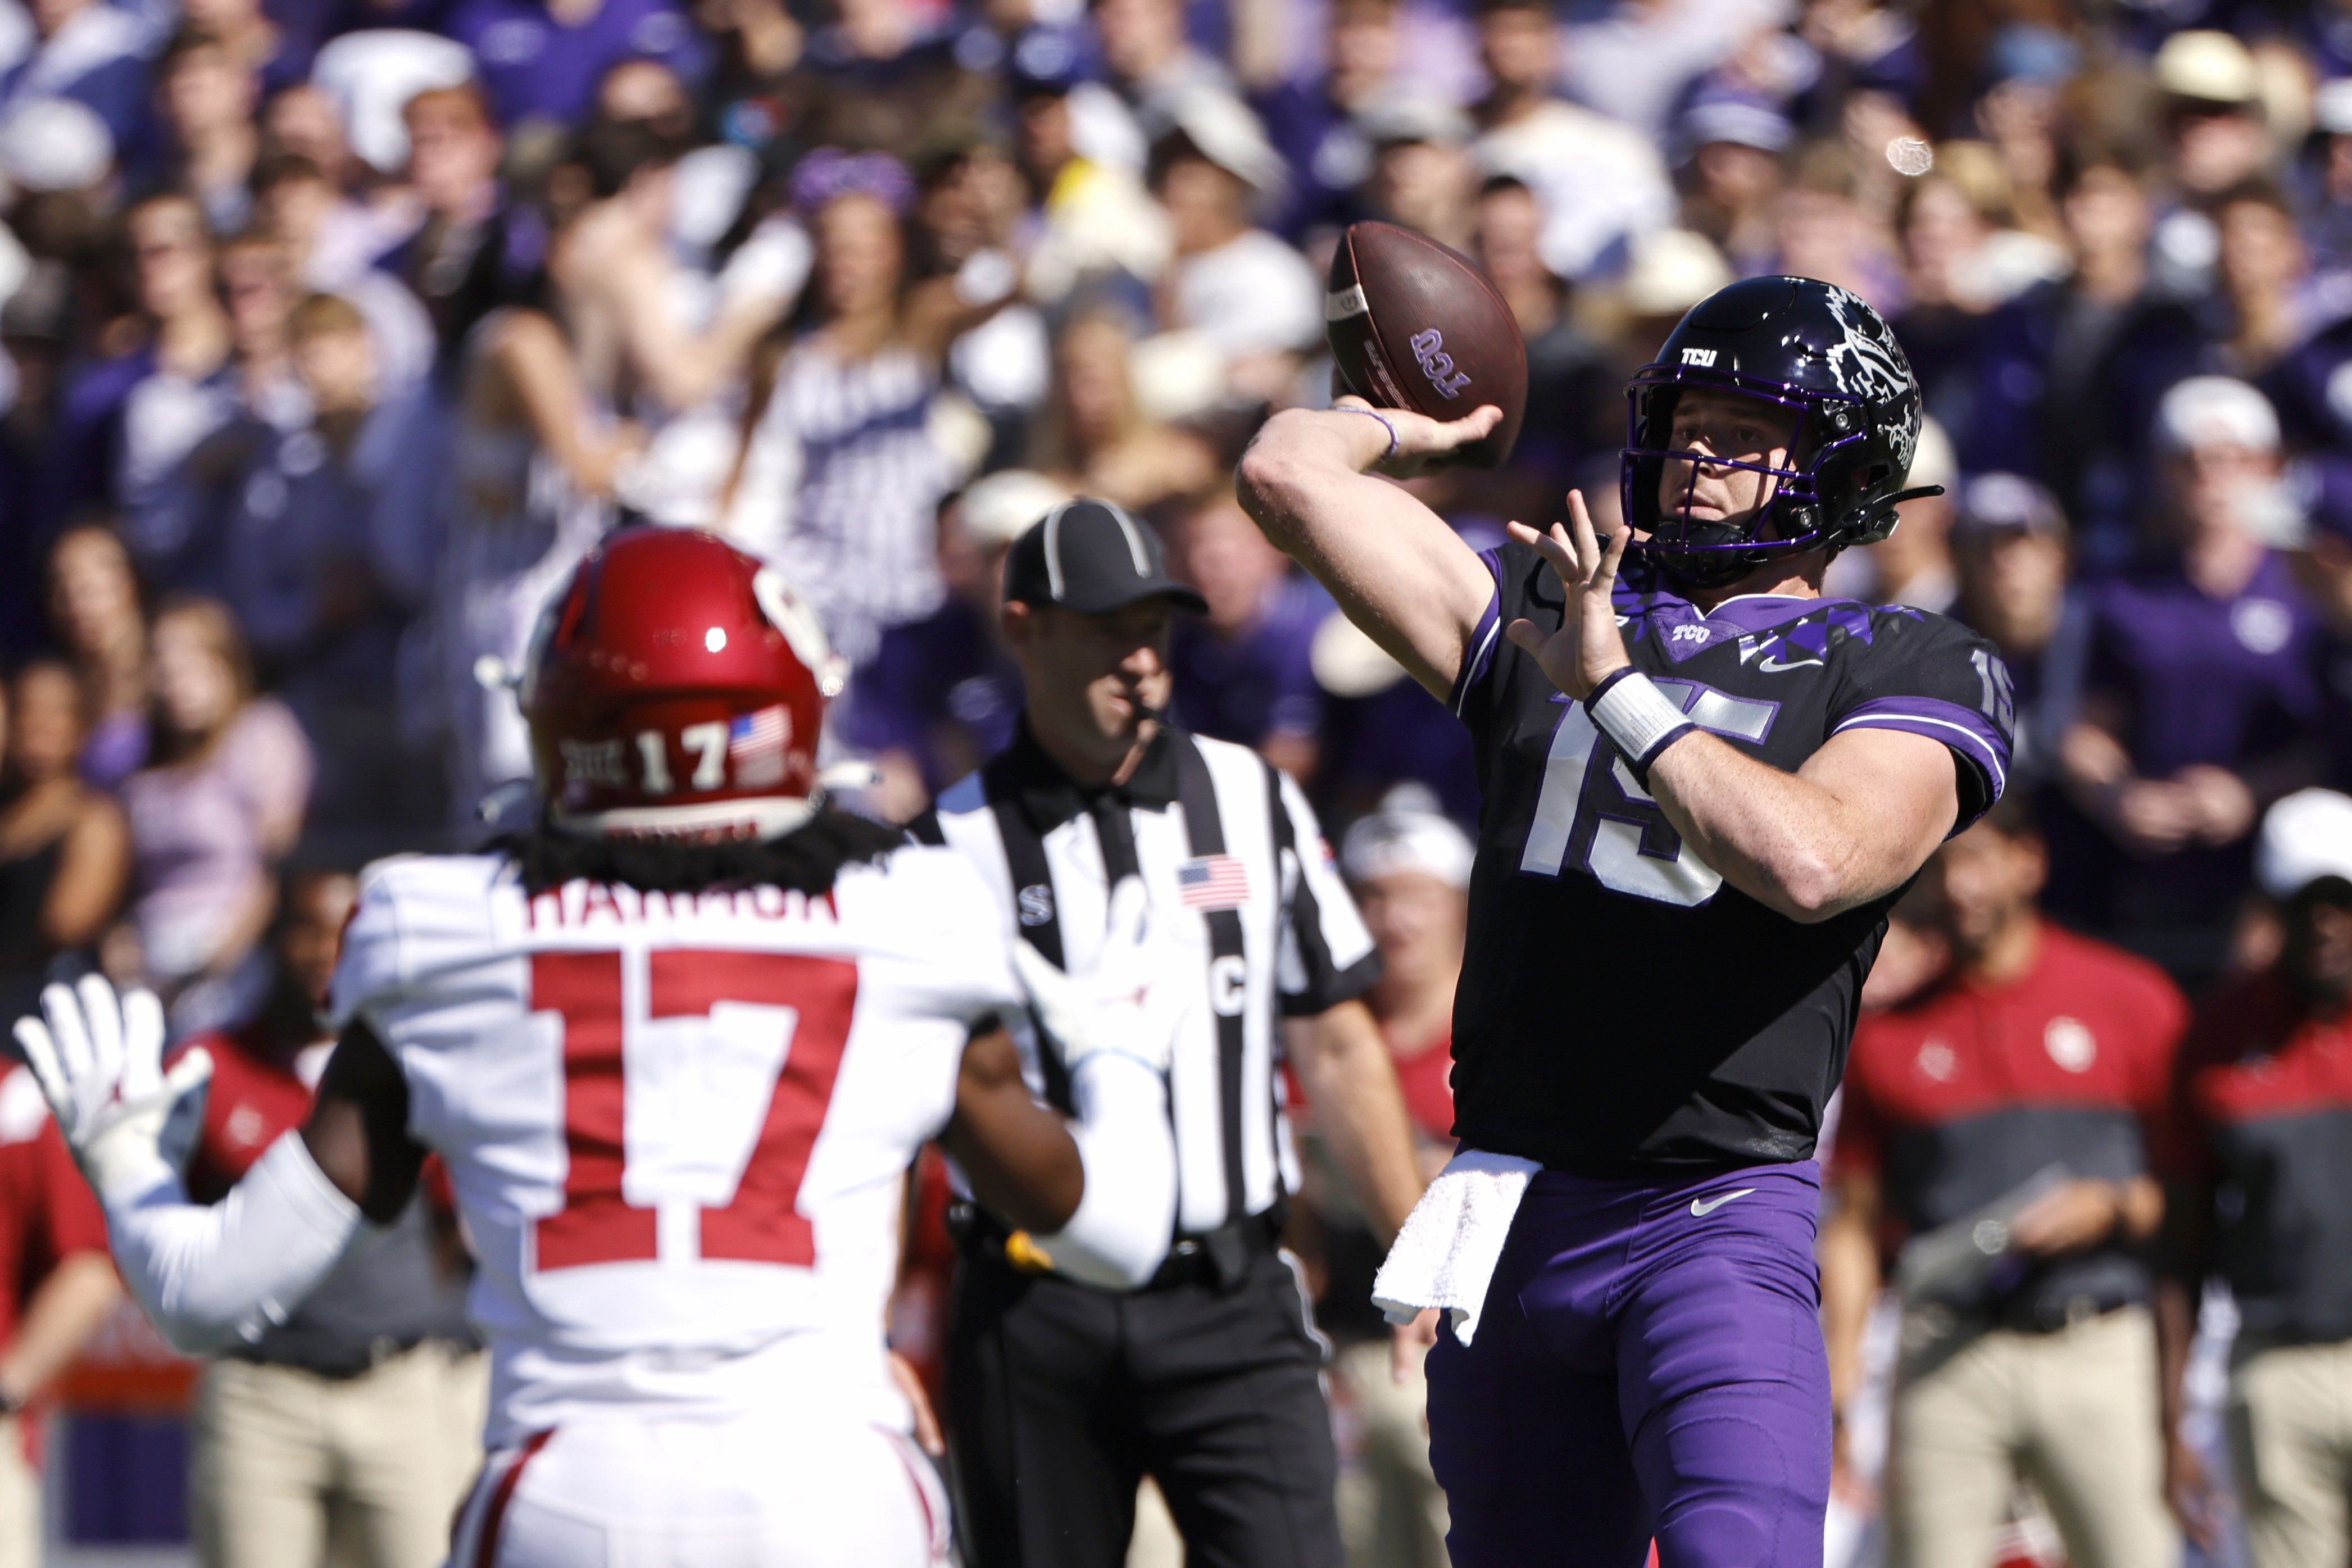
712,821
761,817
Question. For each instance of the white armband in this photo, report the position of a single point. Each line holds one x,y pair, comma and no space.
1128,1215
212,1276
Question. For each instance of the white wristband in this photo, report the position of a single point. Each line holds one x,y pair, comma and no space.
1629,708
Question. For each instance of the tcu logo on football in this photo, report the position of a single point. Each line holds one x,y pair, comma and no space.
1704,357
1429,348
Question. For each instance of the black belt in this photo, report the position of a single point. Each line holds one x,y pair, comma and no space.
1219,1258
355,1360
2052,1313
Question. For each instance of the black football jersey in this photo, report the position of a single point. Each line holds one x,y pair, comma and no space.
1620,1005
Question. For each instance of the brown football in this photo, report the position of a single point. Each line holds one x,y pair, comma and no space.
1415,325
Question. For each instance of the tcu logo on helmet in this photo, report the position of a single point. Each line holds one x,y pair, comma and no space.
1438,365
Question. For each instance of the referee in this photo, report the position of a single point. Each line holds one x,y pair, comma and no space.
1062,1396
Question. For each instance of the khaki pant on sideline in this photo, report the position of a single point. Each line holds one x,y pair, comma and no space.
1392,1510
2290,1423
284,1460
2073,1410
20,1501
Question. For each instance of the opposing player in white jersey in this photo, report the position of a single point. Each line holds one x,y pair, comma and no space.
677,1046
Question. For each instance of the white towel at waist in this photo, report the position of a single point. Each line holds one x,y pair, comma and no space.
1446,1252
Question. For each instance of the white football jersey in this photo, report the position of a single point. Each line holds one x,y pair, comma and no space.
677,1123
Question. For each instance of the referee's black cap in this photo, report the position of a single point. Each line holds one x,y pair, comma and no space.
1092,556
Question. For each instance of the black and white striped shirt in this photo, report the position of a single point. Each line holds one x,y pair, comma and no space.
1230,853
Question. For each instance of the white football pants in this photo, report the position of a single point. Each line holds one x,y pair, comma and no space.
774,1491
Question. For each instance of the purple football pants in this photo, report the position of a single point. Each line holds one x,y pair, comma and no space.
1643,1370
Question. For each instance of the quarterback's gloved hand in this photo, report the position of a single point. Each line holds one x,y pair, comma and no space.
1127,1005
99,1062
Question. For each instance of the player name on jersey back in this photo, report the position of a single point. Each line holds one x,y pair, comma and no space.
676,1123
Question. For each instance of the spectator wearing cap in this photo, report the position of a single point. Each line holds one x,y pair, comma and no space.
1729,147
1602,183
94,53
2198,698
2021,1089
1238,288
2216,140
1090,218
1666,274
2068,373
940,693
1205,1377
539,60
1409,868
1311,119
2259,1157
1243,669
2010,564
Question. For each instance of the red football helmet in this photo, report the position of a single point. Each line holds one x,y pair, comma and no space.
674,687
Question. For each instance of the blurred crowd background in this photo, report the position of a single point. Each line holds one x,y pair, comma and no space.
333,332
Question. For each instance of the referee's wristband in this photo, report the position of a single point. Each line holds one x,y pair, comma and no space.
1629,708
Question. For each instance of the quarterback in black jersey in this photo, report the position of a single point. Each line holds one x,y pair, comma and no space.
1703,786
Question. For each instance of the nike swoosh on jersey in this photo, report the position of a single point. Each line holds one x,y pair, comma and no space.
1703,1207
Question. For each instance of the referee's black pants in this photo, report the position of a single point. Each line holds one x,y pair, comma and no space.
1062,1397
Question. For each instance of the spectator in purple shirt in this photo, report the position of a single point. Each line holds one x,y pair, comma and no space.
1243,671
2198,700
2324,566
2067,372
1311,119
541,60
92,53
939,695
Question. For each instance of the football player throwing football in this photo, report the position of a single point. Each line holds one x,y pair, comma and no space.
1704,783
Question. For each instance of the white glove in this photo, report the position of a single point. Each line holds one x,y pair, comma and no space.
99,1062
1127,1005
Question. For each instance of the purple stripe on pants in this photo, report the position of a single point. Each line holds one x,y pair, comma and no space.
1641,1371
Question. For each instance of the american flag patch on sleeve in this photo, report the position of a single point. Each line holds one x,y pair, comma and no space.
1212,882
755,746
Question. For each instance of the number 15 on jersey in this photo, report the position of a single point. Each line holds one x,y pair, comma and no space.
1592,816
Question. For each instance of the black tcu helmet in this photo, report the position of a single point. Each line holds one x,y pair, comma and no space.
1811,347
